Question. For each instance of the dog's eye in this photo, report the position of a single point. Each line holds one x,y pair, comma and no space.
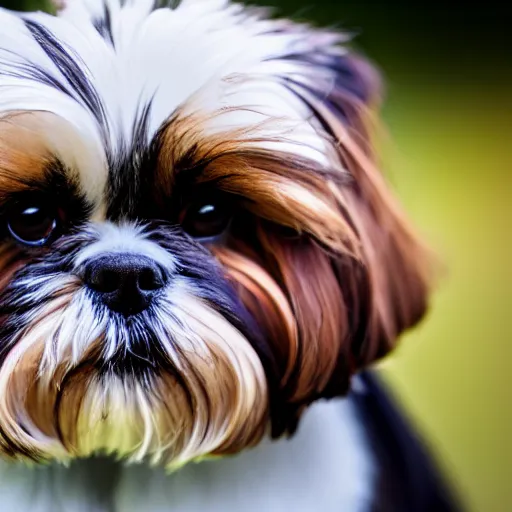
206,219
32,223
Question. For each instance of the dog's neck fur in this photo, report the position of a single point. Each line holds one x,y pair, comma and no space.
326,466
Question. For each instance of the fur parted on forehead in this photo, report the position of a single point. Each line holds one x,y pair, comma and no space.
117,71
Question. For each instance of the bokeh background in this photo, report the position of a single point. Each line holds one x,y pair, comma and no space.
448,68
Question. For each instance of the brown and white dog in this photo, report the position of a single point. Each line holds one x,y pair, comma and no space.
196,245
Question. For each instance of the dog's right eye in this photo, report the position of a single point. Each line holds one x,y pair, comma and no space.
32,223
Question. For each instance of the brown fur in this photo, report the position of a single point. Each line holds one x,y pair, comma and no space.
335,296
24,153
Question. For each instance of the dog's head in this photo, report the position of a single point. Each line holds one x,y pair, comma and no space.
197,242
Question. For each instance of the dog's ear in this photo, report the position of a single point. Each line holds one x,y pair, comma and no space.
382,283
335,295
385,288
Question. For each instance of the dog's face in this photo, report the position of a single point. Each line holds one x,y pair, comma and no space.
196,240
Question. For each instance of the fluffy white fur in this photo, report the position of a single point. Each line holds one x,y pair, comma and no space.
176,58
127,238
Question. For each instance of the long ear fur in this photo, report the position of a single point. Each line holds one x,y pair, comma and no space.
384,290
335,296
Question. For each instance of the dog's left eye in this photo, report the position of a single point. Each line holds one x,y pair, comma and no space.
32,224
205,220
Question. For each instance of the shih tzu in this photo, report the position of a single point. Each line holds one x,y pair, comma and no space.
197,245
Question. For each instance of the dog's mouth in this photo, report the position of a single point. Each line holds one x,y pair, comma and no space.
131,361
168,385
141,351
137,361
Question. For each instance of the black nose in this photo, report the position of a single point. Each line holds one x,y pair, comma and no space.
125,282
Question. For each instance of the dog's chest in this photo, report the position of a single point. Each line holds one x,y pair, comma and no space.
326,467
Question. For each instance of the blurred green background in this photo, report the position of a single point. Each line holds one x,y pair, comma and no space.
448,68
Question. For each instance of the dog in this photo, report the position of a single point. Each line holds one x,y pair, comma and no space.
200,262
